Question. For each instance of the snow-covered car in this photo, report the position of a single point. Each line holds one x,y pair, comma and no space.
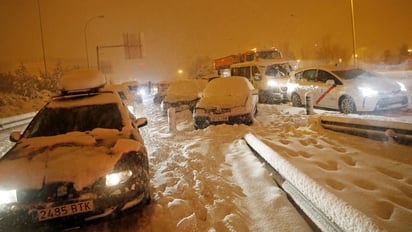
128,92
160,91
230,100
80,158
347,89
270,76
183,95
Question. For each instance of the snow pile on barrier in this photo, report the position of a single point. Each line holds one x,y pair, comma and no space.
337,210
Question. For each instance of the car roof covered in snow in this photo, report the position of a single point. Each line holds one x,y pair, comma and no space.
82,80
228,86
188,89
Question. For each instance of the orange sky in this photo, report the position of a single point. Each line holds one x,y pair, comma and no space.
177,32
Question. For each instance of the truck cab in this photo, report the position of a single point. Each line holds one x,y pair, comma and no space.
266,69
269,76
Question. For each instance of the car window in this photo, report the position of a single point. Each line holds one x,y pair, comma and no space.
245,71
324,76
235,72
255,70
309,75
55,121
354,73
298,76
278,70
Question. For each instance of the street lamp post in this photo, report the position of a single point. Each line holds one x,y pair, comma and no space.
42,39
353,34
85,36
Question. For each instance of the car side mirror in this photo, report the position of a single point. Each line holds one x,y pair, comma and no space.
140,122
257,77
15,136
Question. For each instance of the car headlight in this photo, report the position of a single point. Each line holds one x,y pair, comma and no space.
368,92
402,85
272,83
8,196
114,179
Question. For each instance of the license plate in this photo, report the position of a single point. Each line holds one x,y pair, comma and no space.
217,118
64,210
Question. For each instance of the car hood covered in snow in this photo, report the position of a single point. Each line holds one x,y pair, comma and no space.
75,157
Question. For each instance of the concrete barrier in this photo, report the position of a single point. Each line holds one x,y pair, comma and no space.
326,210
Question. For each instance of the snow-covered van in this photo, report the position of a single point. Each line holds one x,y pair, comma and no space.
269,76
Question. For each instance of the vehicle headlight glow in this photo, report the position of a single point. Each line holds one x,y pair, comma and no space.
368,92
8,196
272,83
402,85
114,179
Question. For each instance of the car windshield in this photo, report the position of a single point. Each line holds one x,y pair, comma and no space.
55,121
353,73
278,70
269,55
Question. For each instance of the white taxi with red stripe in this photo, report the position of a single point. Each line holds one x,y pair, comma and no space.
348,90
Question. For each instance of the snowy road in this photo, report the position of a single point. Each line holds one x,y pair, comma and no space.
209,180
205,180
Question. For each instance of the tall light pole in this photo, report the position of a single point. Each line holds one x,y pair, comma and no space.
353,34
85,36
42,40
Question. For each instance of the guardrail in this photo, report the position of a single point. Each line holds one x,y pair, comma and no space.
396,131
17,120
327,212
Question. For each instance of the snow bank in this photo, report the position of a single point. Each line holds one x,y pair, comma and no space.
372,176
340,212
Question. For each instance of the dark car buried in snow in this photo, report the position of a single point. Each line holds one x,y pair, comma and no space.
81,157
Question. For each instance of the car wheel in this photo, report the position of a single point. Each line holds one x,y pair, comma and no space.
347,105
148,198
249,120
295,99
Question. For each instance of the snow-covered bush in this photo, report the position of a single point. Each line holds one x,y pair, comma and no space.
23,91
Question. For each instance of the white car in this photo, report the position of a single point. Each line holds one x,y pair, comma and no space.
230,100
348,90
